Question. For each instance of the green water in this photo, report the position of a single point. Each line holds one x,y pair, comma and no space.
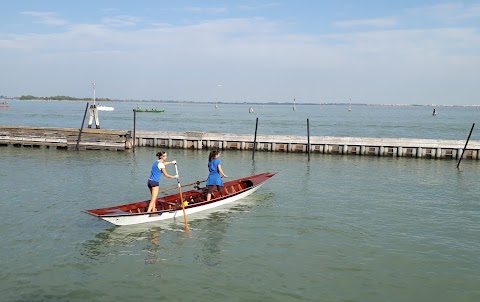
337,228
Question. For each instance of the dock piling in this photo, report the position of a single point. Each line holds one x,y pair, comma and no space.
461,156
308,136
134,128
81,128
255,140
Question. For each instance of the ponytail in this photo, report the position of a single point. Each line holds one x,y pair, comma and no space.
212,155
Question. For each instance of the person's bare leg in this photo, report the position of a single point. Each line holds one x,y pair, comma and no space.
153,201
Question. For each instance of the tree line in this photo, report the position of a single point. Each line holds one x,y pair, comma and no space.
60,98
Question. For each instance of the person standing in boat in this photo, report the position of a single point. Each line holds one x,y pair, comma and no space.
158,169
216,173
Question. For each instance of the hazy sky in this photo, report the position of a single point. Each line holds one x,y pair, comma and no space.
408,52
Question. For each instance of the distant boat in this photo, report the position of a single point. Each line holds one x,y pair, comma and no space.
294,108
350,106
150,110
105,108
4,105
99,107
250,110
434,112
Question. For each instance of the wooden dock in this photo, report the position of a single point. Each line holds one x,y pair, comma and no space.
115,140
65,138
393,147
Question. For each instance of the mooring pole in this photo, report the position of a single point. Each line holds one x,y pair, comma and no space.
255,140
465,145
134,123
94,112
308,139
81,129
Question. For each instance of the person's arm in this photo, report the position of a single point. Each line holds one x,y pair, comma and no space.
221,171
164,171
169,162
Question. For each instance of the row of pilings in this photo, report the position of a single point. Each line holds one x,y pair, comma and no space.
96,139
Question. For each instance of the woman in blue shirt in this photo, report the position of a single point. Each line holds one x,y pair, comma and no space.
216,173
158,169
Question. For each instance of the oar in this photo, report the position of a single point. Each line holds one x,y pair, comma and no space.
181,198
187,185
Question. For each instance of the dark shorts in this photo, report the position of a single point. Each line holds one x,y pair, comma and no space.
152,183
210,188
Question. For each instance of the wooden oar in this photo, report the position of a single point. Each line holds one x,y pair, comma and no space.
187,185
181,198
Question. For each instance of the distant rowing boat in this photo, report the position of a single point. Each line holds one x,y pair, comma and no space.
150,110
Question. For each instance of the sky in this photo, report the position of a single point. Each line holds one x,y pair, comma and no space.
375,52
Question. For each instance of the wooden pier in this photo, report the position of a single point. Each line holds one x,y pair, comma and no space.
392,147
65,138
115,140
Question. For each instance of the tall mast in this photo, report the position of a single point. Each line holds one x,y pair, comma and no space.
93,93
216,98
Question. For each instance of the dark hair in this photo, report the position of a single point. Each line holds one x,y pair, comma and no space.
160,154
212,155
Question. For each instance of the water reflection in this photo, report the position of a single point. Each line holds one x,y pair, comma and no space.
168,242
254,168
107,243
153,246
213,233
215,227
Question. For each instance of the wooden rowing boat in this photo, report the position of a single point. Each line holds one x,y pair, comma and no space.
169,207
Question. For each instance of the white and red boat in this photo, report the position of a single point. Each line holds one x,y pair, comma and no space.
170,207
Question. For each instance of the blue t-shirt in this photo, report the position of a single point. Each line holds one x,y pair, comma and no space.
214,178
156,171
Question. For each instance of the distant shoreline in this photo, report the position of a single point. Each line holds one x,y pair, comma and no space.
105,100
232,103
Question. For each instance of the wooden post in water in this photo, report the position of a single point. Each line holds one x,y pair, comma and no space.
134,122
255,140
81,128
308,139
465,145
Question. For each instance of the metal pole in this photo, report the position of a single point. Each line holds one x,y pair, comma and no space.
93,93
80,132
465,145
255,140
134,122
308,139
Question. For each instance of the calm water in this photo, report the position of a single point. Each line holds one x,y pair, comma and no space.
325,120
337,228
